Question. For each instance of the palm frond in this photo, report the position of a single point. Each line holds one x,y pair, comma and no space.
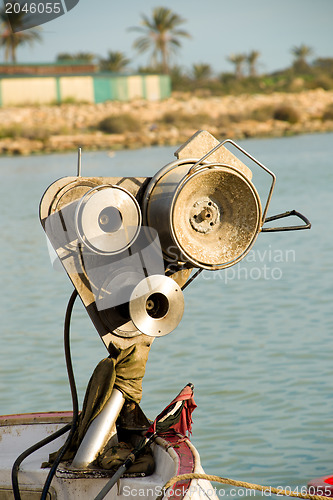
13,32
160,34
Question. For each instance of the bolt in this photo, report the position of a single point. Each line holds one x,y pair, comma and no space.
149,305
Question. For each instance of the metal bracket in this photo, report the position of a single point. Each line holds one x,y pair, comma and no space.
307,224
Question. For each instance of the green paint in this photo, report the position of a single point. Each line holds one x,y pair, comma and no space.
102,89
58,90
165,86
144,87
107,87
122,88
113,89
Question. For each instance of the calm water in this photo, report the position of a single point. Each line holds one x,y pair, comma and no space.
256,340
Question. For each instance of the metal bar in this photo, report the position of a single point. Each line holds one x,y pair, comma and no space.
189,281
79,156
101,429
307,224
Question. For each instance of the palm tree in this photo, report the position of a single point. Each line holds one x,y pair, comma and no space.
301,54
11,34
251,60
86,57
201,71
161,35
65,56
179,78
238,60
116,62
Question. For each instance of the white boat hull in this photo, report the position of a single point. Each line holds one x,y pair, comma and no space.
19,432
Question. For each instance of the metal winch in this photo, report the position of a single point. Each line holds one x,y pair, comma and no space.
129,244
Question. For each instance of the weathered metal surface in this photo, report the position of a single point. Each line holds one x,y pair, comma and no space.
209,218
204,209
201,143
74,229
59,203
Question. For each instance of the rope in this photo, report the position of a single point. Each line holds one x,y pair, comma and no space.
233,482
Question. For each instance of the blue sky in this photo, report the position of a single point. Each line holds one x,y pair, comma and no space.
218,29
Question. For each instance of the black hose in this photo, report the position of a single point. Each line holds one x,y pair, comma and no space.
26,453
63,430
72,384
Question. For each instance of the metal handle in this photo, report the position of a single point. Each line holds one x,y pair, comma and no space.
307,224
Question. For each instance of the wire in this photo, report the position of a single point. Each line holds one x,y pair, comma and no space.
72,384
71,427
189,281
26,453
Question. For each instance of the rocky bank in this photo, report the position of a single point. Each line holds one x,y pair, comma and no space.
54,128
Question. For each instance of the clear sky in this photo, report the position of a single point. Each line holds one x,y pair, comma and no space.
218,28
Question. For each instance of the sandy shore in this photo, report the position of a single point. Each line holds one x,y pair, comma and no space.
44,129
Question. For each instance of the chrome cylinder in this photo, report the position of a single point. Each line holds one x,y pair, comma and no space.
100,431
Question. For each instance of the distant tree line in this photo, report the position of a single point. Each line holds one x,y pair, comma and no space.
160,36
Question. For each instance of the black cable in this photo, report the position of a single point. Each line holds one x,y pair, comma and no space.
189,281
26,453
72,384
63,430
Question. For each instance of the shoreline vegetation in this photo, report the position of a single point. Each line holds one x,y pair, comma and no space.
118,125
235,105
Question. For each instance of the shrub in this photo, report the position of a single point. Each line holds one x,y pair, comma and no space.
286,113
118,124
263,113
12,131
328,113
169,118
186,120
223,120
17,131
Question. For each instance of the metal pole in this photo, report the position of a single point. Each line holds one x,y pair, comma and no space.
100,431
79,156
